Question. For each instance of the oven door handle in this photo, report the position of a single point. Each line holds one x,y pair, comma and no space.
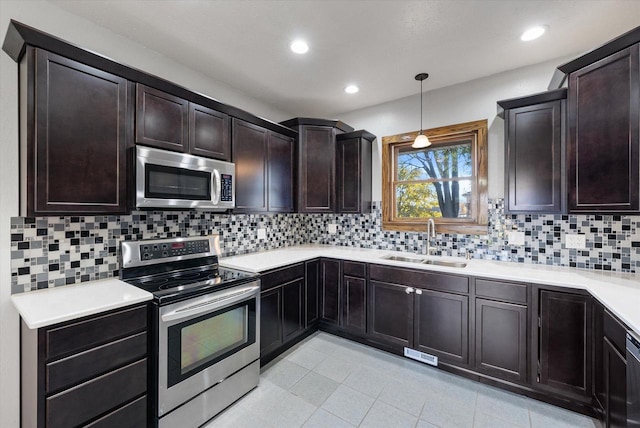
215,303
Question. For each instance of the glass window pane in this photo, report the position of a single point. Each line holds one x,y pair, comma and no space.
451,199
435,162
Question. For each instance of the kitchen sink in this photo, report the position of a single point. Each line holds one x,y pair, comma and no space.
445,263
404,259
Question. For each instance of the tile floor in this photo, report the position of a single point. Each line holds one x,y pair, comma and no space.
329,382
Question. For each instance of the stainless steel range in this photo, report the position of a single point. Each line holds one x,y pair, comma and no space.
204,328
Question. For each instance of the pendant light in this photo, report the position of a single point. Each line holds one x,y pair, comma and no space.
421,140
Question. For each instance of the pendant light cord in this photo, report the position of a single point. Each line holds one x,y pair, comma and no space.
421,107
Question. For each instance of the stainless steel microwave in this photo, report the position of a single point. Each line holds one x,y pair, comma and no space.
172,180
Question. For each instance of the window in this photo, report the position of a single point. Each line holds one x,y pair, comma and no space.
446,181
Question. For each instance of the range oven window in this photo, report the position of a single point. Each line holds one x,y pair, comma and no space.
165,182
200,342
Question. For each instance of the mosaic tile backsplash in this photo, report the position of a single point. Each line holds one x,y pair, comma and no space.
55,251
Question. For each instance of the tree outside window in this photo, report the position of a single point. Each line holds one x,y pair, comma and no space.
445,181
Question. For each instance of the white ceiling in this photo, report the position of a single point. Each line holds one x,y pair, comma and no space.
379,45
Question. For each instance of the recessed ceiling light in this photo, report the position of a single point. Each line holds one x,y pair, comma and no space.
299,46
351,89
533,33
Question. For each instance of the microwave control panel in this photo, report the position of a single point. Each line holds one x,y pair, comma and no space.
172,249
226,188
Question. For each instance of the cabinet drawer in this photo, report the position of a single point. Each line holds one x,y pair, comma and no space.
354,269
133,415
615,331
79,367
421,279
280,276
86,334
503,291
90,399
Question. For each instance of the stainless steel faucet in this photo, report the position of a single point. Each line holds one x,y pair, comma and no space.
431,233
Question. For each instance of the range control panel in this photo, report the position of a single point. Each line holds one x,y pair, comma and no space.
173,249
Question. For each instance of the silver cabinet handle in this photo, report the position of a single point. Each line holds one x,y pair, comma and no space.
409,290
418,292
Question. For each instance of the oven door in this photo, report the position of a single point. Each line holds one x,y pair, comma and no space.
204,340
176,180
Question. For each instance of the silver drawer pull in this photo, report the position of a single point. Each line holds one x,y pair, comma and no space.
409,290
418,292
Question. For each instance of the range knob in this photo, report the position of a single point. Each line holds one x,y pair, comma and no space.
165,254
146,256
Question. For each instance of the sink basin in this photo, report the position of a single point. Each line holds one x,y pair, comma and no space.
445,263
404,259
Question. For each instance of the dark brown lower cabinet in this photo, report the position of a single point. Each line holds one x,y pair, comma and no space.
312,278
86,372
330,301
270,321
615,380
293,303
501,339
441,325
390,314
354,307
564,335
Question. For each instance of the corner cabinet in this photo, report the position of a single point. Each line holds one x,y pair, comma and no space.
534,153
604,134
317,169
78,128
90,372
265,169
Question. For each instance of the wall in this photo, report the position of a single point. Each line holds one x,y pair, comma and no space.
465,102
51,19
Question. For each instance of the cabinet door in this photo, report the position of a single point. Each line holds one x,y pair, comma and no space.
317,169
534,141
312,278
599,389
270,321
354,314
293,320
330,274
161,119
565,342
501,339
77,137
281,172
390,313
209,133
604,134
348,171
615,376
441,325
249,154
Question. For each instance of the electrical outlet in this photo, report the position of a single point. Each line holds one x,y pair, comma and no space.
262,233
333,229
572,240
515,238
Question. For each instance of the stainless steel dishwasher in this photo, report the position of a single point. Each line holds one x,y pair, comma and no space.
633,381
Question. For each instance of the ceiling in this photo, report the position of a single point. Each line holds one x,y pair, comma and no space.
378,45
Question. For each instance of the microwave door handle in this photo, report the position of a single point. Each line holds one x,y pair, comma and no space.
215,303
216,187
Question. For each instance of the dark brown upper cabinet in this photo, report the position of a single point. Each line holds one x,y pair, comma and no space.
265,169
353,172
162,120
250,153
334,168
172,123
604,134
78,130
209,134
534,153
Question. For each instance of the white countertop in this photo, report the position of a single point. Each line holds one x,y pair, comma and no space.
49,306
618,292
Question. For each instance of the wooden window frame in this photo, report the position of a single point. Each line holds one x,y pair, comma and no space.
477,132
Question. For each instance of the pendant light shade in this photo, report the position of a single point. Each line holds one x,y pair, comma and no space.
421,140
